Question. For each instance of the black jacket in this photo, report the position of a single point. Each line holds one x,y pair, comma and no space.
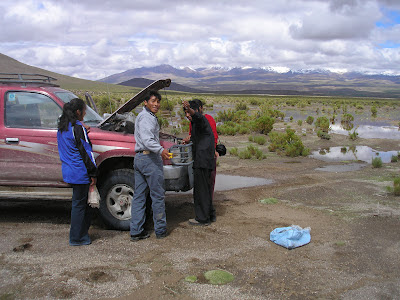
203,142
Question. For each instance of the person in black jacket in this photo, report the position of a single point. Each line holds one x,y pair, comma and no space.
202,138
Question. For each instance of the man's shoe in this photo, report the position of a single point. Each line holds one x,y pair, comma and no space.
194,222
213,219
141,236
161,235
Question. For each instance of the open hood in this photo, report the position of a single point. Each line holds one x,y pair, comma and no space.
136,100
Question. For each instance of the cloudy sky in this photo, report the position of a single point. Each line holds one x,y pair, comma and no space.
92,39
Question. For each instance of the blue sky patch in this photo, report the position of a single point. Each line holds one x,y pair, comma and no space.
390,18
389,44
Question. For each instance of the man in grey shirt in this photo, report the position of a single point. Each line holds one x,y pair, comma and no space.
149,174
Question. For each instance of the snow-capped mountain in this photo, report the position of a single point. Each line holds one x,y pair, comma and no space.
269,80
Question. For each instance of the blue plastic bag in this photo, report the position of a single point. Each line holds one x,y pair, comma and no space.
290,237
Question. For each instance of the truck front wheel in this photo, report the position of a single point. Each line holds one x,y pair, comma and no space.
116,195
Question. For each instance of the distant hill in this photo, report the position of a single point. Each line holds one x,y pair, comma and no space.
143,82
10,65
267,81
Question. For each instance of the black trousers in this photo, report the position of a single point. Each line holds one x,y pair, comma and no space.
202,195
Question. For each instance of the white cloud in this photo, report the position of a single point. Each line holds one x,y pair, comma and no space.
96,38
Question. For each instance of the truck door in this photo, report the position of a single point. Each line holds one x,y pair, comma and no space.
28,140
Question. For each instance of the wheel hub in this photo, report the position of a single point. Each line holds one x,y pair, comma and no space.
123,200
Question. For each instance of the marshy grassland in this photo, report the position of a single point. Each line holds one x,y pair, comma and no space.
352,208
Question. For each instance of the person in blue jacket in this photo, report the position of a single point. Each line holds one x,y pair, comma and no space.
78,167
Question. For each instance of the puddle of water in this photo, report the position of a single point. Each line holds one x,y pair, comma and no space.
370,132
357,153
230,182
342,168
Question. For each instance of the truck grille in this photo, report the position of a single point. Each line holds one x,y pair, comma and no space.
181,155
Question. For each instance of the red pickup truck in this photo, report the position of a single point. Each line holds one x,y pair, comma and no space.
30,168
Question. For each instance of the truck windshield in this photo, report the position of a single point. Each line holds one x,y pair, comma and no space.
91,117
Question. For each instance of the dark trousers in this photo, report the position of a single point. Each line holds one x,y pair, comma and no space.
202,195
81,215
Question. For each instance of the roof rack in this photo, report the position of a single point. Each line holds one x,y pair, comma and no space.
27,79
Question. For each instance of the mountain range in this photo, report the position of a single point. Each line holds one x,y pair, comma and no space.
229,80
265,81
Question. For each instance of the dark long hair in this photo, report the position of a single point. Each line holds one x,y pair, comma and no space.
69,113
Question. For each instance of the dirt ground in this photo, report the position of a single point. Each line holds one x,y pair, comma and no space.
354,250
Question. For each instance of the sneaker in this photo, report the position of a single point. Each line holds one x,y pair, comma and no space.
141,236
194,222
161,235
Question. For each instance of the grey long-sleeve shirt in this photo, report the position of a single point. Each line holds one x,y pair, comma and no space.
147,132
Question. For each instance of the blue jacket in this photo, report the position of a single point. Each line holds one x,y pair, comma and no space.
77,159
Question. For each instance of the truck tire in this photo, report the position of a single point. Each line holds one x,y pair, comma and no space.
116,195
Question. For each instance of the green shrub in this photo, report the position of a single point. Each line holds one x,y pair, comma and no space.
347,118
377,162
185,128
299,122
104,104
396,186
263,125
241,106
302,104
353,135
394,158
288,143
322,123
323,135
233,116
273,113
254,151
243,129
310,120
163,122
254,102
167,105
176,130
244,154
227,129
261,140
374,111
251,151
233,151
